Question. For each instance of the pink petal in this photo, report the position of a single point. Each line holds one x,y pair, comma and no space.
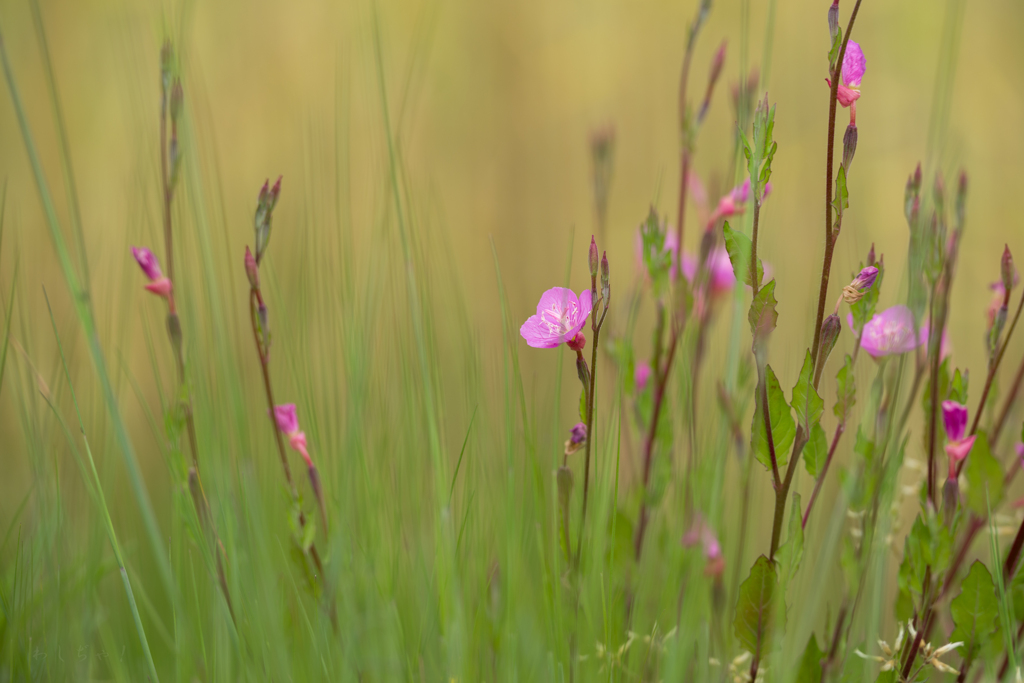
854,65
958,450
286,418
147,261
954,416
642,374
161,286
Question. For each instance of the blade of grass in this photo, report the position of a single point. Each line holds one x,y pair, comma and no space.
97,490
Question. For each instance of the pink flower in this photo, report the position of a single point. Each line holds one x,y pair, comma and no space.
719,266
853,69
642,374
158,284
560,316
701,533
954,417
888,333
288,422
578,434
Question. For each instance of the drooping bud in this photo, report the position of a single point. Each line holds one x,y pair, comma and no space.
252,270
830,329
849,146
1006,270
950,497
833,21
592,258
864,280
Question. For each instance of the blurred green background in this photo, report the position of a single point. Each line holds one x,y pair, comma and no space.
492,104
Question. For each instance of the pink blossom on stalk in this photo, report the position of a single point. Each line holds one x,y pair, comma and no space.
853,69
158,283
288,422
888,333
954,417
642,374
719,266
559,318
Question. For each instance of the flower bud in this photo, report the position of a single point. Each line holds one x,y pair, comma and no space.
849,146
606,287
865,278
264,216
1007,270
833,21
264,321
592,258
950,498
252,270
871,255
830,329
177,99
577,438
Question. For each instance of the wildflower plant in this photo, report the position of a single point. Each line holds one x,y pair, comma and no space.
728,503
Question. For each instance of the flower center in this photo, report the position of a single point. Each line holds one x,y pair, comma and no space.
558,320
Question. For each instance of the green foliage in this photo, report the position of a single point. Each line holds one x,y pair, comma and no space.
755,619
927,551
810,663
739,247
791,552
833,53
762,315
846,390
984,477
657,260
760,150
783,426
816,451
842,200
807,404
975,611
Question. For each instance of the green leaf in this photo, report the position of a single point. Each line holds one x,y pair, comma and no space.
975,611
792,551
958,387
754,621
842,200
863,446
810,663
983,474
738,245
783,426
762,315
806,402
833,54
816,451
846,390
657,260
583,406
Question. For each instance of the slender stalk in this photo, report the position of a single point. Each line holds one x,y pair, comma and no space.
661,379
935,351
840,428
780,495
826,265
595,326
993,367
1011,560
1011,396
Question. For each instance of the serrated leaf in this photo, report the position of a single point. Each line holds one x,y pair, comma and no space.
762,315
755,620
816,451
806,402
846,390
975,611
738,245
792,551
984,477
810,663
783,426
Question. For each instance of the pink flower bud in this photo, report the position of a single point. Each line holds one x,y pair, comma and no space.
252,270
641,375
954,417
158,284
286,418
592,257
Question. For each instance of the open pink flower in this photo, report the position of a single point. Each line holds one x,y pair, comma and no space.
853,69
888,333
158,283
288,422
954,417
560,317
